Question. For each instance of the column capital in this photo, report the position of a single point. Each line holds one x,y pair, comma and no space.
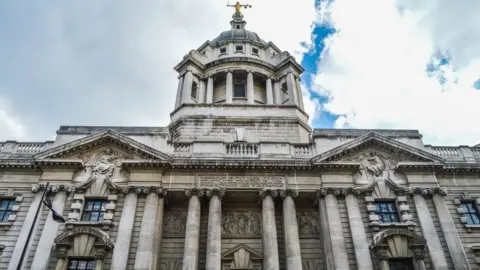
61,252
125,189
161,191
54,188
268,192
428,191
194,192
334,191
289,192
215,192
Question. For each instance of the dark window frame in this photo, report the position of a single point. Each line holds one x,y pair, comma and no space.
237,50
6,211
255,50
387,208
90,263
401,264
471,212
87,212
243,89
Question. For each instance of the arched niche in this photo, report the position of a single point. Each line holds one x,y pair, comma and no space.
399,244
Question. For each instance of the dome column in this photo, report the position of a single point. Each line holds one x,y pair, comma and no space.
229,88
178,100
209,98
187,87
292,89
201,93
276,91
299,92
268,88
250,93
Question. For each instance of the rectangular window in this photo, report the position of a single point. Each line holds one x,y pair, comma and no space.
400,264
239,48
223,50
239,90
387,212
81,264
470,212
6,209
255,51
94,210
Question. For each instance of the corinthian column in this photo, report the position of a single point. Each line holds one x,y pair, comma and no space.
124,235
49,232
145,257
290,226
269,233
192,230
214,238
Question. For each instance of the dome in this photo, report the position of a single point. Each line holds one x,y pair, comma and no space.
238,35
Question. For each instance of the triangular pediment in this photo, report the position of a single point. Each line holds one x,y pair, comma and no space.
74,150
373,144
254,254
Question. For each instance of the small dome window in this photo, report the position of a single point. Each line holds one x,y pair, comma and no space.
239,49
255,51
223,50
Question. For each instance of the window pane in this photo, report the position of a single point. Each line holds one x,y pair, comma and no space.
4,205
471,209
91,265
384,207
96,206
94,216
391,208
3,217
89,206
73,264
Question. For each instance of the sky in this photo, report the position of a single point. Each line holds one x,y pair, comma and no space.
403,64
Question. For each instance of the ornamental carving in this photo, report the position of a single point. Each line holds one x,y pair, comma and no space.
308,223
241,223
175,221
227,181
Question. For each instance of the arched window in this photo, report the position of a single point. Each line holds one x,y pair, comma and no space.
399,249
194,93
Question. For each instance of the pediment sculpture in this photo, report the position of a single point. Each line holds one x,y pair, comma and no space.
102,172
377,173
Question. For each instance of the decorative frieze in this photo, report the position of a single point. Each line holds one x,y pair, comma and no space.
174,224
242,223
247,181
308,223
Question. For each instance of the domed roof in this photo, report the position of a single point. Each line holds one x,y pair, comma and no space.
238,35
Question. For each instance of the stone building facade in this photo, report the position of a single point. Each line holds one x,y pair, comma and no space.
239,180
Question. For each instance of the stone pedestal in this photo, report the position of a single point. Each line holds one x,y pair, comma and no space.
269,231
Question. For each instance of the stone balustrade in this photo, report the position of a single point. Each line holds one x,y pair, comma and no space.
182,149
15,147
241,149
301,150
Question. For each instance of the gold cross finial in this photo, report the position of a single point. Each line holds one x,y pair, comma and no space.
238,6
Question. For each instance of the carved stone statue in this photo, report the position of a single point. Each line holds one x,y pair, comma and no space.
105,165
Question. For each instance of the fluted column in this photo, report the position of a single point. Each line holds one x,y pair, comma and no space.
178,100
339,248
49,232
229,88
269,231
359,237
201,91
209,98
214,238
269,91
299,93
124,234
328,260
250,89
290,227
455,247
192,230
277,93
435,249
292,89
145,258
187,87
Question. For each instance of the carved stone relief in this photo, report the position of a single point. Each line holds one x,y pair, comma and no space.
308,223
312,265
171,265
174,223
241,223
228,181
102,170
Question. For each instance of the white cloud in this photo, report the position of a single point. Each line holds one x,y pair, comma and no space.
10,127
98,63
374,67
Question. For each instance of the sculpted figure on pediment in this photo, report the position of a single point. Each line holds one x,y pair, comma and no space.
101,171
379,175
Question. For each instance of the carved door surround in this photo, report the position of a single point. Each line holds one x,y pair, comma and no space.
399,243
242,257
